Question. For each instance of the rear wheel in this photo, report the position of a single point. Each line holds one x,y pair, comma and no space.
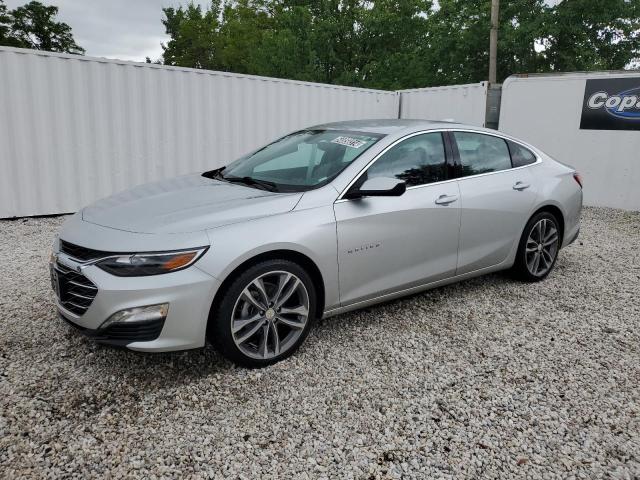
538,248
264,315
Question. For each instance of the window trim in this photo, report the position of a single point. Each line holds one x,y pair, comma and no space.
447,162
458,160
458,163
451,156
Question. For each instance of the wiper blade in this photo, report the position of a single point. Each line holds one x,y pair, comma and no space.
264,184
216,174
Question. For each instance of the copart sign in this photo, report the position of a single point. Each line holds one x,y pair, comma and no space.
611,104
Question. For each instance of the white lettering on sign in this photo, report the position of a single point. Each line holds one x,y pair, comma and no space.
617,102
597,99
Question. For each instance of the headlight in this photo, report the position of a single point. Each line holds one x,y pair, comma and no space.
144,264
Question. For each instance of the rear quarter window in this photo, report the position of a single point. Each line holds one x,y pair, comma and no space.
520,156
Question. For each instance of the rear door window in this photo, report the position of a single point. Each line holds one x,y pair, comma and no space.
480,153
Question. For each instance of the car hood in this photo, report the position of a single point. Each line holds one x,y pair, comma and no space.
186,204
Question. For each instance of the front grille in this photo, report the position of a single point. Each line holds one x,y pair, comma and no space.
74,290
81,253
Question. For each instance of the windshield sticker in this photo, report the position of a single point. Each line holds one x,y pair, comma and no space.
349,142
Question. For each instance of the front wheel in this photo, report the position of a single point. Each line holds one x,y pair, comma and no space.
264,315
538,248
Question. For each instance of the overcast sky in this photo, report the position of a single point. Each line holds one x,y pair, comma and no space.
123,29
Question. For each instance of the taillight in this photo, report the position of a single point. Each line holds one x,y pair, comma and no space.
578,178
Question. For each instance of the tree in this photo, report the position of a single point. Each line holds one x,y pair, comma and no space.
394,40
34,26
334,39
459,40
6,36
299,39
194,36
395,44
286,49
520,37
310,40
593,35
245,23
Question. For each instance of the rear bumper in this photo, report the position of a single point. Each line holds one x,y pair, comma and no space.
573,237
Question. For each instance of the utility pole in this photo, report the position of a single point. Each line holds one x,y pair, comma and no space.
493,41
494,92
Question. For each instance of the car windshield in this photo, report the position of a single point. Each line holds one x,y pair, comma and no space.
300,161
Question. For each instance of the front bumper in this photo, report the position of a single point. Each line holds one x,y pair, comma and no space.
188,292
121,335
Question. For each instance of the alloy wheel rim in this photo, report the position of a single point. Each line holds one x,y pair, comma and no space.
542,247
270,315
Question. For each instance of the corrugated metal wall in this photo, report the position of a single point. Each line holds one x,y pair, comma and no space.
460,103
74,129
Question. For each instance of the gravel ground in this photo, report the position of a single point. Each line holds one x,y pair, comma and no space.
488,378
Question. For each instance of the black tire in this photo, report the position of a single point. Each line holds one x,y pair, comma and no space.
221,317
523,269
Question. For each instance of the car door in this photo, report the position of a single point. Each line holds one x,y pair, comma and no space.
386,244
496,199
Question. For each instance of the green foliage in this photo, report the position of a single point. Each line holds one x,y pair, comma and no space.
34,26
460,39
396,44
194,36
286,50
394,36
593,35
6,37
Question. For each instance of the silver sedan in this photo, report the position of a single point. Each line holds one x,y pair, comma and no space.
324,220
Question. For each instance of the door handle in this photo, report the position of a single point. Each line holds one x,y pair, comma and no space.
521,186
446,199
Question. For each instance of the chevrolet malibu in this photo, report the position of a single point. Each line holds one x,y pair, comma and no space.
324,220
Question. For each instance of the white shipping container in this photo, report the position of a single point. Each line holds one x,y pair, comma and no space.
459,103
546,110
74,129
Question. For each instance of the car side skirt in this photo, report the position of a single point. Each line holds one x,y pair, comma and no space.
507,263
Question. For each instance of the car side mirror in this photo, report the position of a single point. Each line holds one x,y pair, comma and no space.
378,187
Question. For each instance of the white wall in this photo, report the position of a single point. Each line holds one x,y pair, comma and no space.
74,129
460,103
545,111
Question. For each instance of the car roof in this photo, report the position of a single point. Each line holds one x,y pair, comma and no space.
387,126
